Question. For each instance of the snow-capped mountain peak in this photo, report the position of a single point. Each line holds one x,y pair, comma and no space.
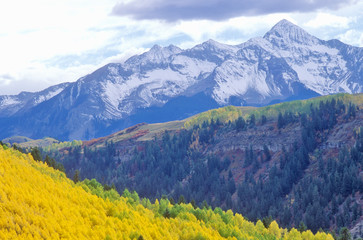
215,46
11,104
169,83
285,32
155,55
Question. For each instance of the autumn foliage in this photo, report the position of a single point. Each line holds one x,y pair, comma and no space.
38,202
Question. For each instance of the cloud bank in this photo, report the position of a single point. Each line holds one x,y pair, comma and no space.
218,10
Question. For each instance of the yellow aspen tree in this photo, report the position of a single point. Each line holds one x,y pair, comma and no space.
274,229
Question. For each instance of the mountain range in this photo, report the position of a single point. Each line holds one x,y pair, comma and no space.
169,83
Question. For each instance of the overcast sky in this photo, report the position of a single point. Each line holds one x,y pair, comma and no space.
46,42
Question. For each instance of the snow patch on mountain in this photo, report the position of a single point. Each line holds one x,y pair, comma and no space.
49,95
286,63
192,67
9,100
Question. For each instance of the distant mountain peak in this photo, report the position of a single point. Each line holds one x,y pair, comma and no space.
167,83
215,47
174,48
285,23
156,47
171,49
286,31
212,42
215,44
156,54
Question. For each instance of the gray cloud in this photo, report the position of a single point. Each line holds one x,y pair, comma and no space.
174,10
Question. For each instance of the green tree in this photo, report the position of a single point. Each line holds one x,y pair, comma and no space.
252,120
263,119
344,234
240,124
16,147
166,214
76,177
205,205
194,204
267,221
302,227
36,154
280,121
181,199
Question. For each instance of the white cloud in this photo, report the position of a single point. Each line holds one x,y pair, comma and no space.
329,20
249,27
37,77
39,33
124,55
352,37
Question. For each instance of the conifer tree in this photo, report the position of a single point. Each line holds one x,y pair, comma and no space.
345,234
76,176
36,154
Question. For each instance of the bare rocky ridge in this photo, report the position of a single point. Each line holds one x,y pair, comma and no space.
165,84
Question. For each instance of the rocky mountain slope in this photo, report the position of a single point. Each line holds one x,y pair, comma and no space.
17,104
165,84
301,166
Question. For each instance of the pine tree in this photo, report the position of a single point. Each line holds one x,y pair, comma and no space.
302,227
280,121
252,120
181,199
167,213
263,119
36,154
76,177
205,205
194,204
344,234
240,124
267,221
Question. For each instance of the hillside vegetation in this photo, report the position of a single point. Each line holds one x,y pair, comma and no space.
38,202
231,113
300,164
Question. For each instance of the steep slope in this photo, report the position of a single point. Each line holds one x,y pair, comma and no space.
13,104
38,202
300,161
165,84
323,66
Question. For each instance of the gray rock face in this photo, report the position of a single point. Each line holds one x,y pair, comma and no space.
168,83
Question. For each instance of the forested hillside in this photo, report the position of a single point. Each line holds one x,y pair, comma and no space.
299,163
38,202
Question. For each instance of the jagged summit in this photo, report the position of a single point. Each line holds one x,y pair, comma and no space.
169,83
156,54
155,48
285,31
169,49
210,43
213,50
174,48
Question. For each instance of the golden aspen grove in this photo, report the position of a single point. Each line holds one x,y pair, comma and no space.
38,202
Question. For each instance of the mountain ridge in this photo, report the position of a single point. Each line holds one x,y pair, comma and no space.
286,63
307,154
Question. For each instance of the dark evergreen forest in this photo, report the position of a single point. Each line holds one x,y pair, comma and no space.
301,189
